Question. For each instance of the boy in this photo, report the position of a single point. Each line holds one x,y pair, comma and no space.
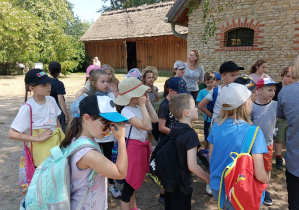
229,72
176,85
209,80
186,146
263,114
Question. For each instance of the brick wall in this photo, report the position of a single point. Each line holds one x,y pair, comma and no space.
276,35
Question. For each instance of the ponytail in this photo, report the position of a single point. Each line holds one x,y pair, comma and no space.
28,90
253,68
73,131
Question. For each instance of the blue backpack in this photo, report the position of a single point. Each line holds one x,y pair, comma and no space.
50,185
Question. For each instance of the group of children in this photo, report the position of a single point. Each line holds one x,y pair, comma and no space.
229,109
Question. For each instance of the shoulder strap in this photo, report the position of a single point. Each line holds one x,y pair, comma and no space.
215,95
181,131
81,143
249,140
30,108
129,136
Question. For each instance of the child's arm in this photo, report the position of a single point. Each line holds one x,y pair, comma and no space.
202,107
104,166
194,167
58,123
13,134
80,92
63,107
157,96
162,127
152,113
259,169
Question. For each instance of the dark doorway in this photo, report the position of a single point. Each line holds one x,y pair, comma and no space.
131,55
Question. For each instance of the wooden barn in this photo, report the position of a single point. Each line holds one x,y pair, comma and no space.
135,38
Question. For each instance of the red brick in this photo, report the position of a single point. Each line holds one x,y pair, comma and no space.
296,42
251,23
297,22
256,25
239,22
296,29
258,49
245,21
296,48
296,35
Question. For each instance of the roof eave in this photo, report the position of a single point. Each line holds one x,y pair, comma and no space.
178,13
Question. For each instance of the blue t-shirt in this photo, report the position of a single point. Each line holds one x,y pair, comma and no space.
202,94
227,138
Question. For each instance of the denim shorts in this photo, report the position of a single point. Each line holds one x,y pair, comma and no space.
226,202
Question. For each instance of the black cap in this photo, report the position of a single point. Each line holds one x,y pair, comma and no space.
37,76
247,81
229,66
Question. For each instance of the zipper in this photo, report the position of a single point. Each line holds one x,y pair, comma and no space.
235,198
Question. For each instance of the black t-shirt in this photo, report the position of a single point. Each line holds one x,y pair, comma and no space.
57,88
185,142
165,113
278,89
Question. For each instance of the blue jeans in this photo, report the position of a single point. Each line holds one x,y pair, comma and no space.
226,202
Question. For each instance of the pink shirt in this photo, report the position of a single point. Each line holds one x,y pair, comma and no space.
256,77
113,89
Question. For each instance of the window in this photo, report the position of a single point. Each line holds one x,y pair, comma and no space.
240,37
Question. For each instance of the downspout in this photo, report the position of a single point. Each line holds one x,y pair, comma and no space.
176,33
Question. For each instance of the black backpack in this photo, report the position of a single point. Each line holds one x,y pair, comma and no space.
165,169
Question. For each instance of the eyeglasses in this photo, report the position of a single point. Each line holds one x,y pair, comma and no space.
105,126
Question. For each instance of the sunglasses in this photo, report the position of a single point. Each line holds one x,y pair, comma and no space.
105,126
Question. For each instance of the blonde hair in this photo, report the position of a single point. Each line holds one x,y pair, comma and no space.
296,69
108,67
240,113
176,106
197,55
94,75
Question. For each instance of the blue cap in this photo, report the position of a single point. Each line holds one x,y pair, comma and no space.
217,76
178,84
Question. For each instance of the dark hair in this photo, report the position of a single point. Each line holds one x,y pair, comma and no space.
27,89
54,68
176,106
286,70
209,76
166,89
253,68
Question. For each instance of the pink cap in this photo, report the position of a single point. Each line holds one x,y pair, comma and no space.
89,68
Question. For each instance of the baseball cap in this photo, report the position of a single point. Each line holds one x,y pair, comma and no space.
217,76
134,73
247,81
234,95
37,76
178,84
229,66
265,82
179,65
100,105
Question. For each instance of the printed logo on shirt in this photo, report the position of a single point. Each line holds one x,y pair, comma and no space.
51,119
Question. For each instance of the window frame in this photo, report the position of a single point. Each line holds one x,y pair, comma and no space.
248,37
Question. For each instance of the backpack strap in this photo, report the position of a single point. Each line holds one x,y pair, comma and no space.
80,143
215,95
31,122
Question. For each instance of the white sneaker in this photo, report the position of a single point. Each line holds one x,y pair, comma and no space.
115,191
209,190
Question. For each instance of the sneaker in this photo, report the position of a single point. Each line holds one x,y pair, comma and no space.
279,163
161,200
115,191
268,200
209,190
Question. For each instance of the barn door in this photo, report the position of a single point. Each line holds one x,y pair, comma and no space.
131,55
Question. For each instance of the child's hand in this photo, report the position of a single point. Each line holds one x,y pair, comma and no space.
141,100
147,96
119,132
47,133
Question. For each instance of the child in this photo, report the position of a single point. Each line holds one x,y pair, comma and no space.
229,72
57,92
288,100
148,77
218,79
282,124
264,115
140,112
209,80
87,82
176,85
134,73
97,116
113,82
232,125
186,145
45,125
258,70
179,69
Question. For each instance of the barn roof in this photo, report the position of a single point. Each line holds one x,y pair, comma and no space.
136,22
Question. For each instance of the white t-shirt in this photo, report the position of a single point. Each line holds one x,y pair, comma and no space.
137,134
217,106
43,116
192,77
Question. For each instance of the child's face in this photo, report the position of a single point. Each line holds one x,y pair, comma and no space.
172,93
267,92
288,79
193,111
96,128
43,90
179,72
229,77
149,78
253,95
210,83
217,83
102,83
261,69
109,72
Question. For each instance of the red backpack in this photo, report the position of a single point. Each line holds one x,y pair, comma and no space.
243,190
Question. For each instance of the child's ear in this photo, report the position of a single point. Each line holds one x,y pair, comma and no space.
86,118
92,83
186,112
31,88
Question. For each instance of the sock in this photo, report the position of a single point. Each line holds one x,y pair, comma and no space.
161,195
278,156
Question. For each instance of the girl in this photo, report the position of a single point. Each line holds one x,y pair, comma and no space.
45,125
258,70
141,114
113,82
193,73
179,69
149,75
97,116
232,125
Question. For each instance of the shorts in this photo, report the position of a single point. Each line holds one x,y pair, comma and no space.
268,158
177,200
281,135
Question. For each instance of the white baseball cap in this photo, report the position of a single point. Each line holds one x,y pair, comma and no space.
234,95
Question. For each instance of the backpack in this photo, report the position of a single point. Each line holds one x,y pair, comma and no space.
165,169
50,185
211,104
243,190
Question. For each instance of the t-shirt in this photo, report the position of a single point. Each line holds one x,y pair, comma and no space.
152,95
264,115
165,113
137,134
97,196
227,138
256,77
87,85
278,89
184,143
288,100
202,94
43,116
192,77
217,106
57,88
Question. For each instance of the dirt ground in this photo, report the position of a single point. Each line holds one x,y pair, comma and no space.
12,96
